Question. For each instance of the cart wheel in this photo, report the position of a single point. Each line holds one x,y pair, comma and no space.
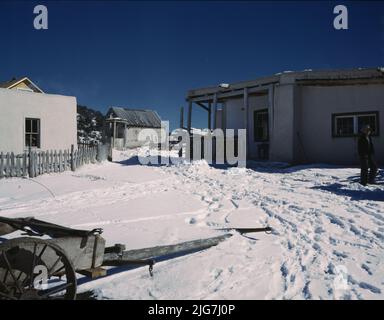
35,269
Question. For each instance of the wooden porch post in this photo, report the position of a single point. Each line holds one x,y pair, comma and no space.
246,108
189,115
214,110
181,117
125,136
209,116
114,133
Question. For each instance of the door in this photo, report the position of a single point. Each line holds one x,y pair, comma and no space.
261,133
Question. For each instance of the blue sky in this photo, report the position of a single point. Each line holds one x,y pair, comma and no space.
148,54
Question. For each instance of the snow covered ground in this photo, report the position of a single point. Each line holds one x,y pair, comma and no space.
327,241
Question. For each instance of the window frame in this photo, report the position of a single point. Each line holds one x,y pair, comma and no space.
38,133
355,116
255,139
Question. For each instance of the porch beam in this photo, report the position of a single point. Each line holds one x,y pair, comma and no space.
237,92
202,106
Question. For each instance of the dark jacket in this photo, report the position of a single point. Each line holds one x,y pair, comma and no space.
365,146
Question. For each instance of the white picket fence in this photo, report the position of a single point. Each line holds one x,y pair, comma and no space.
35,163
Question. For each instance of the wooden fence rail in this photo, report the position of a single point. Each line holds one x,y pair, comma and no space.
35,163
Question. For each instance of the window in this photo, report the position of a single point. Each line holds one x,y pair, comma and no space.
350,124
32,132
261,128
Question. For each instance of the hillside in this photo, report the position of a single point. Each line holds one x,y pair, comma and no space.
89,125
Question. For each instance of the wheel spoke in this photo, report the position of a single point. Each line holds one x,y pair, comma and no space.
11,271
50,271
5,276
19,276
7,296
31,274
4,287
32,266
42,251
19,270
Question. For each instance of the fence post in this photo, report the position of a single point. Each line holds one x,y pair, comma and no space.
1,166
73,158
25,164
30,163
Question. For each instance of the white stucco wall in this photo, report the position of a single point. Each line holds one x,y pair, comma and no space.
282,138
131,137
317,106
235,117
57,116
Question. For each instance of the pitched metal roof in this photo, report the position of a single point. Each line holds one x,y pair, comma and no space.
136,117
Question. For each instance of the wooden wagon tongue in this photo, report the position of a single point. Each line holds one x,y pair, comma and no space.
85,251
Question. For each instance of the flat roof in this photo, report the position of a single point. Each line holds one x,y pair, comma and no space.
305,75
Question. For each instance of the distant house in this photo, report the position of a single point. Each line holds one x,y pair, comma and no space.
31,118
124,125
299,117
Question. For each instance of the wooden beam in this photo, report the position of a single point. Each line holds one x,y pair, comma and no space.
189,125
246,122
233,93
181,117
202,106
209,116
214,111
93,273
114,134
159,251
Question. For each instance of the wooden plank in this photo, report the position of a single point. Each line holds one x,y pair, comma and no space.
181,117
61,161
200,104
209,116
45,166
13,165
18,165
159,251
72,158
25,164
1,165
189,125
55,162
215,111
38,163
93,273
65,160
8,165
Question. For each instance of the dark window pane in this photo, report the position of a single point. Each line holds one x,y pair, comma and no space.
32,133
27,139
344,126
27,125
34,126
261,125
367,120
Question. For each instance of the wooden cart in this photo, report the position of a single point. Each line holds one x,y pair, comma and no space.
36,268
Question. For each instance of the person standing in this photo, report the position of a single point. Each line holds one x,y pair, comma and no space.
366,153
